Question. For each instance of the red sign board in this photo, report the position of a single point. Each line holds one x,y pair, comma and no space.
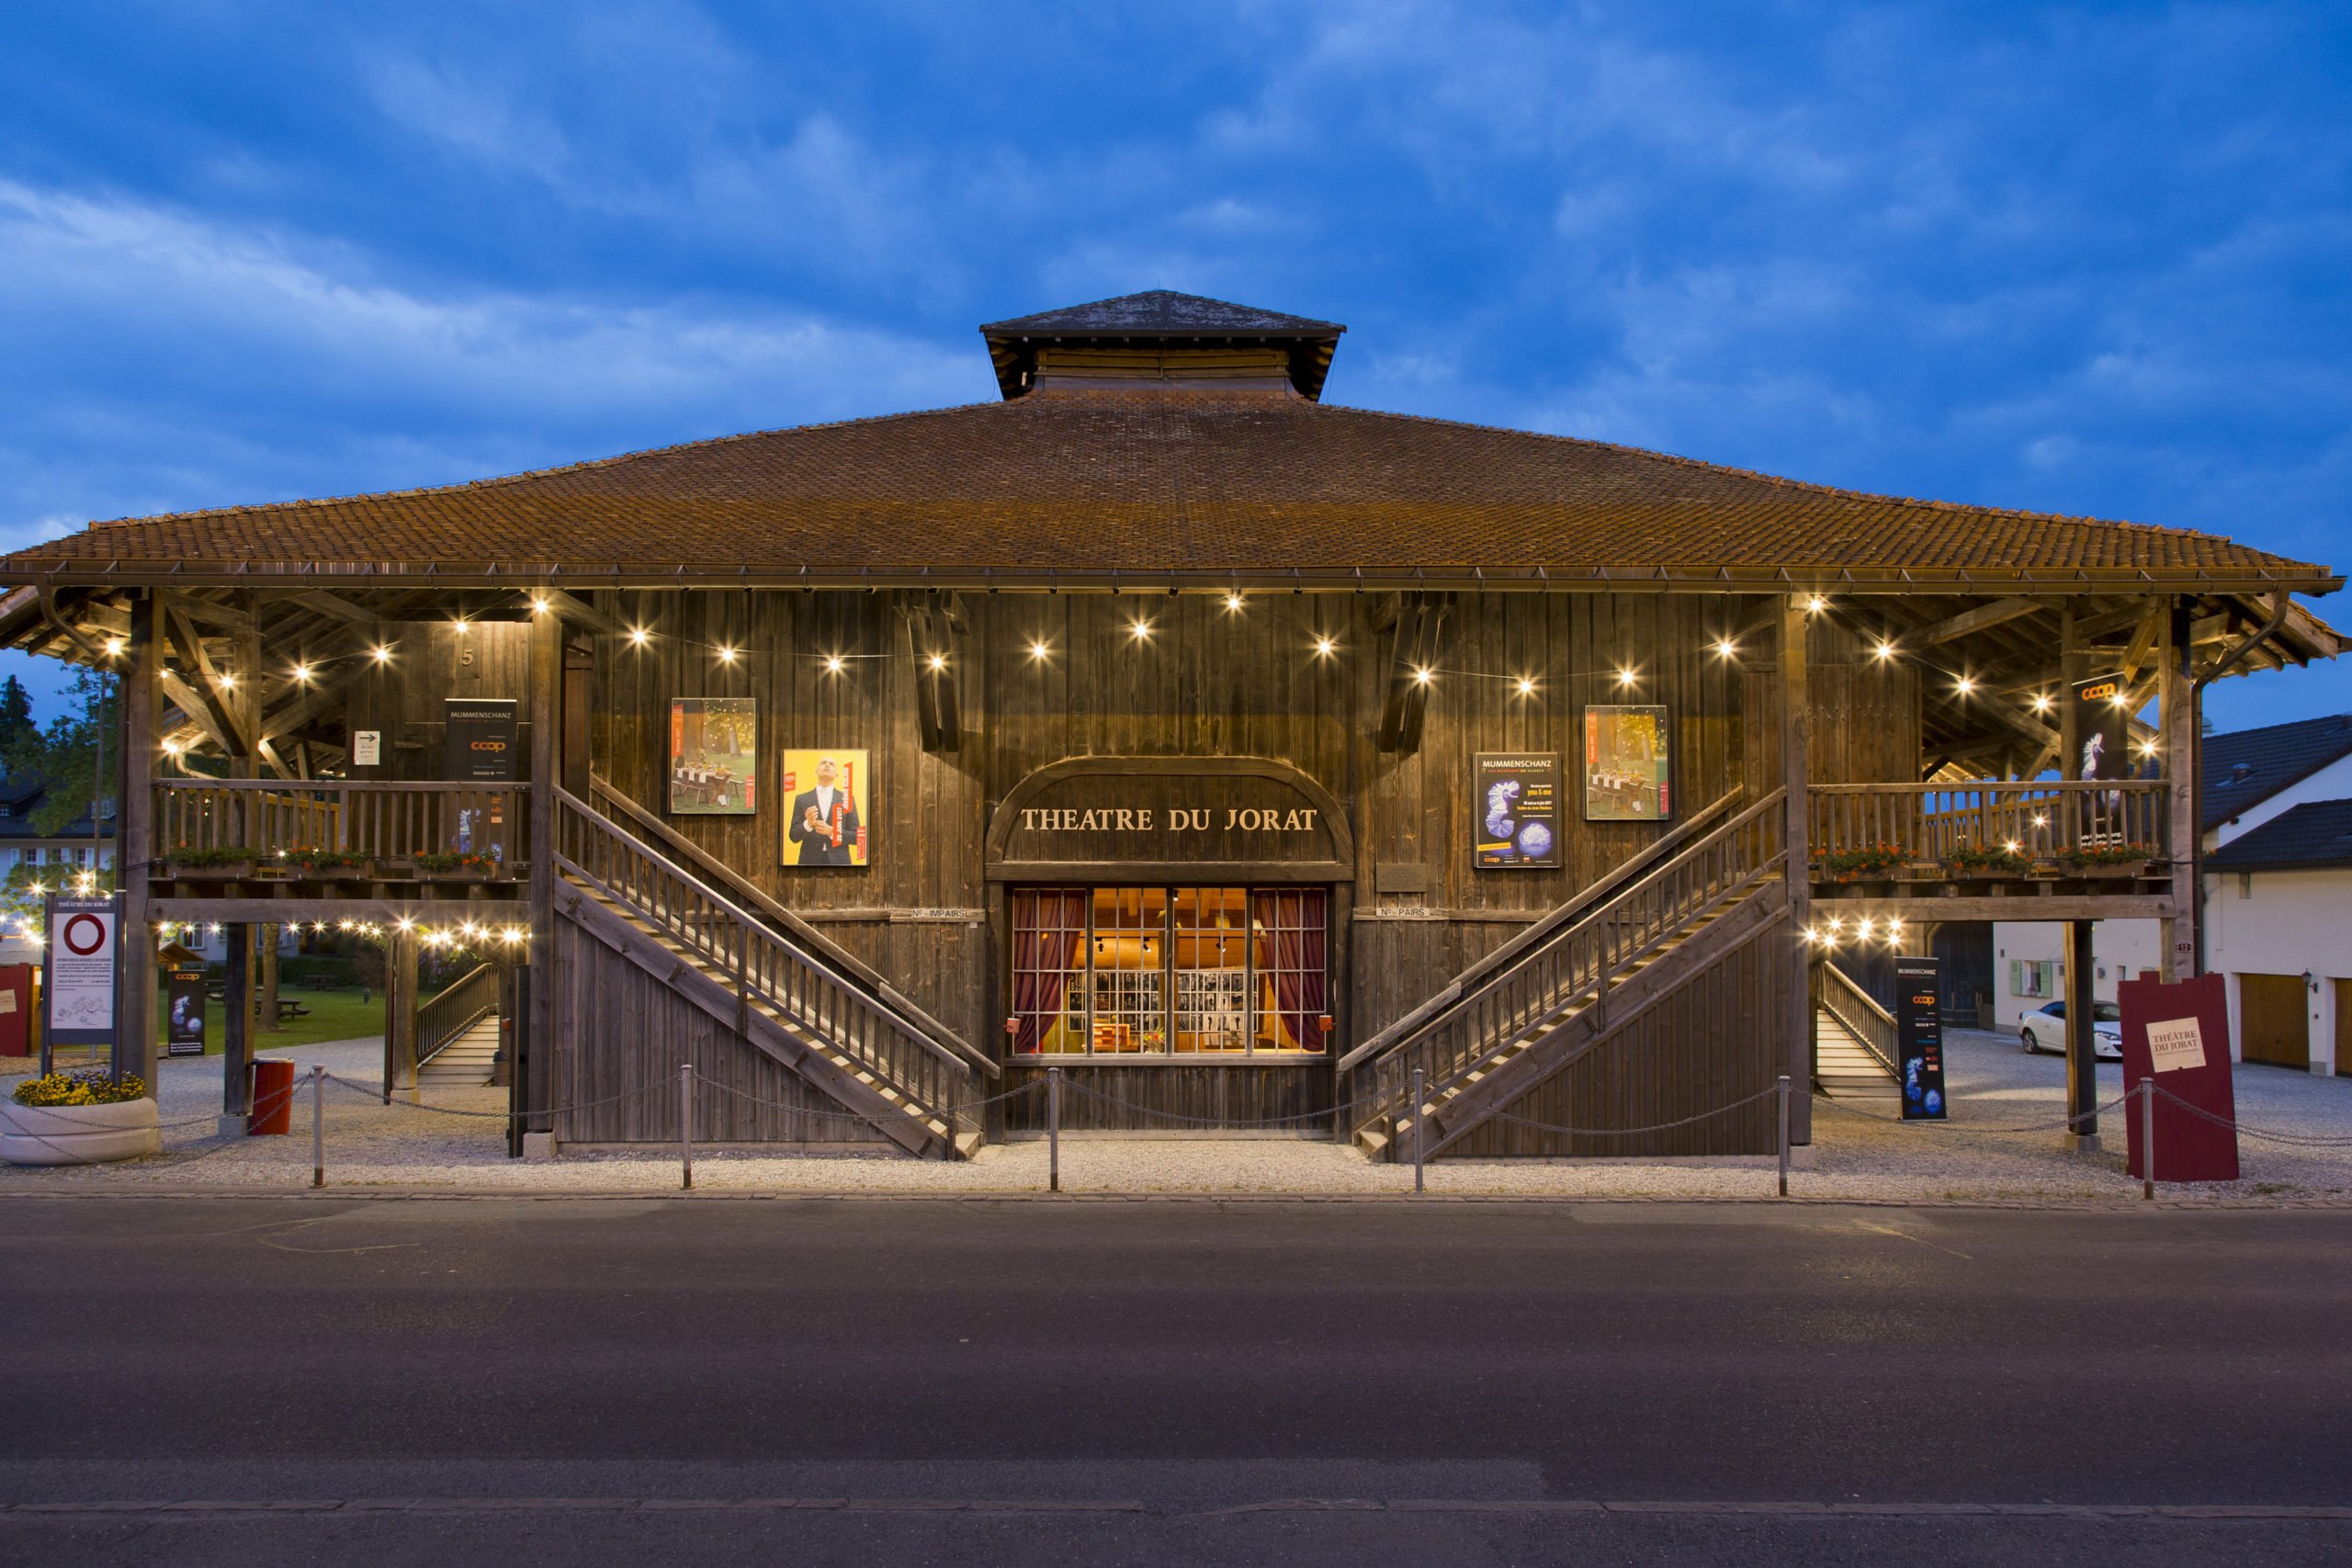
2180,1036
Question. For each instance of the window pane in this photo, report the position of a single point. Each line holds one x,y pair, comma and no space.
1212,969
1048,970
1130,963
1288,944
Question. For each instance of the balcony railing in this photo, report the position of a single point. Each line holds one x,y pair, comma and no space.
2042,821
377,821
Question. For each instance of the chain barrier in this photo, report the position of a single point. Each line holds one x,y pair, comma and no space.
375,1092
1628,1132
1071,1085
2291,1140
2060,1124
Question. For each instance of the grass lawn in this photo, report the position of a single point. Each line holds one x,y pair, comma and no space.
334,1015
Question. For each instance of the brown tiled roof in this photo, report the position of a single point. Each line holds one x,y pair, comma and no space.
1157,485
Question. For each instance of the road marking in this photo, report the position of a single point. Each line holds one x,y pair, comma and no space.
160,1509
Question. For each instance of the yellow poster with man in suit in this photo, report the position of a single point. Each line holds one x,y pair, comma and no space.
830,800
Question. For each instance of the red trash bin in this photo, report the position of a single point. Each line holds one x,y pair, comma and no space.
272,1098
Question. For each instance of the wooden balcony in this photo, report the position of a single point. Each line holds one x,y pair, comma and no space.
330,844
1993,849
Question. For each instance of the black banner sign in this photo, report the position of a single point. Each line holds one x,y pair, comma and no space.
478,738
184,1021
1919,1037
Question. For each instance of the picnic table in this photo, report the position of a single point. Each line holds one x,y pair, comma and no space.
289,1010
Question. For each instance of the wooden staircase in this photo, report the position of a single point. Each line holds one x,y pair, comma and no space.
463,1063
830,1029
1581,978
1853,1041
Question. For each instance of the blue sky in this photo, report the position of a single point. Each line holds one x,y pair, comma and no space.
2088,260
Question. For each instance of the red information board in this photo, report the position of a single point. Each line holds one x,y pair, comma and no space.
2180,1035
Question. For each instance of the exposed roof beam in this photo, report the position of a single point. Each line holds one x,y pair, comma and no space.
579,611
334,604
209,613
1983,618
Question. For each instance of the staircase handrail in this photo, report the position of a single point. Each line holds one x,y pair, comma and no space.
1838,994
445,1016
1590,972
801,930
751,929
1540,931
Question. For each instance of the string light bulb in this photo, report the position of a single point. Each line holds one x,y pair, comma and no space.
1526,686
1963,686
726,654
1884,651
1423,674
938,661
114,647
1325,646
538,604
301,674
383,652
1234,602
834,664
1140,629
1727,648
1038,650
228,682
1814,604
639,636
2041,702
1625,677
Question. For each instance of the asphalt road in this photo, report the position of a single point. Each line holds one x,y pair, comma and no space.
1293,1382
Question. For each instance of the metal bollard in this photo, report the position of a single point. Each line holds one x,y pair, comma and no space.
1419,1122
1785,1135
687,1126
1052,1129
318,1126
2148,1139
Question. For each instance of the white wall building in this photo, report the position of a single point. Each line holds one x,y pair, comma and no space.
2277,834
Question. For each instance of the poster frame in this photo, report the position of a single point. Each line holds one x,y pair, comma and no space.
679,708
1594,713
794,843
1536,805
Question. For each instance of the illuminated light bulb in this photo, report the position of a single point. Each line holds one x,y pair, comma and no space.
383,653
172,748
726,654
1725,647
228,682
639,636
538,605
834,664
2040,702
1422,674
1038,650
1884,651
301,674
511,934
1141,629
462,625
1963,686
406,925
1862,928
1625,677
40,886
2012,846
114,647
938,661
2042,821
1894,928
1814,604
1325,647
1526,687
1234,602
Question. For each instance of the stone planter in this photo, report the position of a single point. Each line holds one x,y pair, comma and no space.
78,1135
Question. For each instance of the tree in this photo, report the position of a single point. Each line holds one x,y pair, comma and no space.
19,735
67,754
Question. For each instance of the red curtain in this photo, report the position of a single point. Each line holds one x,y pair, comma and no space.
1047,929
1291,951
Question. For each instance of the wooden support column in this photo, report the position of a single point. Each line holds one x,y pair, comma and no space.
1797,729
400,1011
546,704
2179,733
134,1044
2082,1058
237,1033
266,981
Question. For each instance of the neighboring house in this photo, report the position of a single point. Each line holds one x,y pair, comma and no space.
68,850
2278,807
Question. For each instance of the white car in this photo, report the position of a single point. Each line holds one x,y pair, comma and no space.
2044,1029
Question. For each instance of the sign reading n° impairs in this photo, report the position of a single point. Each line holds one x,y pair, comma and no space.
79,987
2179,1037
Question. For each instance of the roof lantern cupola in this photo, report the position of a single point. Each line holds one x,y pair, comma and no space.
1163,339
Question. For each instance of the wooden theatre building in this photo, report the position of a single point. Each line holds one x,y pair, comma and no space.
1239,755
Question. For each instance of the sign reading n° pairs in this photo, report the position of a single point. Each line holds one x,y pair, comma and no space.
79,985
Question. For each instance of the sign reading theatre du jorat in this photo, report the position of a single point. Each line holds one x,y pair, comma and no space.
1116,812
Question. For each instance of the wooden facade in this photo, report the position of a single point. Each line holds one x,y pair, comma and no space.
1159,621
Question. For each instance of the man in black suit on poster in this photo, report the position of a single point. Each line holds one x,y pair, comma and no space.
824,819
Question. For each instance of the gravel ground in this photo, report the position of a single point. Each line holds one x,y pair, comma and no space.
1858,1153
